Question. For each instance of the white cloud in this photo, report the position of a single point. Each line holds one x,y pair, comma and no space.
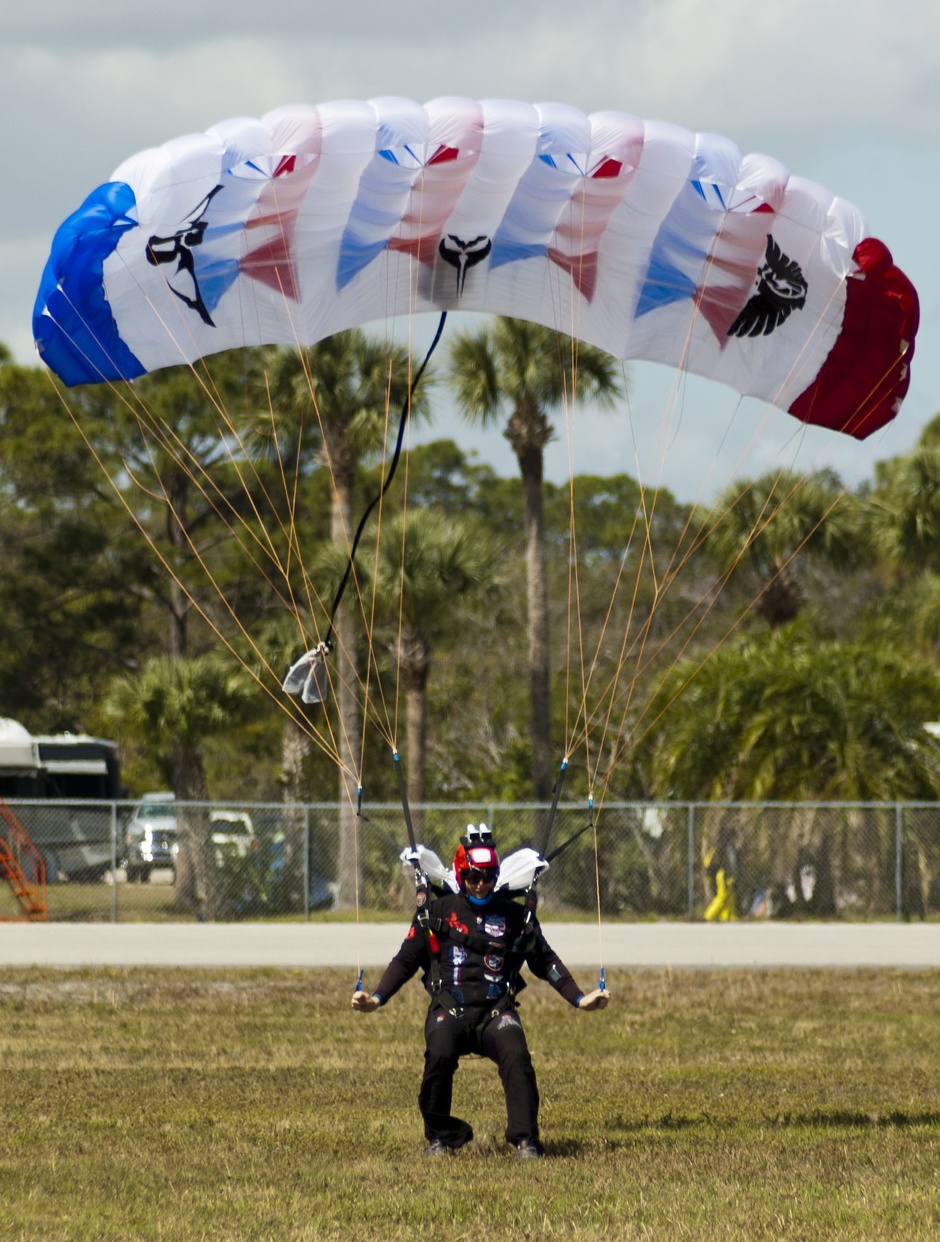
726,64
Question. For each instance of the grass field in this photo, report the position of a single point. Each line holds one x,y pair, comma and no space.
255,1105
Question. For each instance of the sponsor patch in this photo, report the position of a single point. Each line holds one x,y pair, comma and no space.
458,954
495,925
493,961
508,1019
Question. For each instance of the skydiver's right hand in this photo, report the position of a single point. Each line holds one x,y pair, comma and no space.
598,999
365,1002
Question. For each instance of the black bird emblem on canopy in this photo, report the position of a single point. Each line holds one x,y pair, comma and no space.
178,249
463,254
781,288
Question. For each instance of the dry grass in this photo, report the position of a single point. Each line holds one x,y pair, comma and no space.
251,1105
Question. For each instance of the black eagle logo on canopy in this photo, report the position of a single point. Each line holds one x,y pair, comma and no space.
781,289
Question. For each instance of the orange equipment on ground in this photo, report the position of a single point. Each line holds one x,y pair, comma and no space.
16,853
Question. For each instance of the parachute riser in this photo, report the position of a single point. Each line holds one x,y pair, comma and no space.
546,836
531,898
359,817
422,883
530,903
561,848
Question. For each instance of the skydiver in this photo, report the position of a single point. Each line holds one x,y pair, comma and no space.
470,951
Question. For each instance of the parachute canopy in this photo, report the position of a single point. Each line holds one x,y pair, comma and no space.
642,238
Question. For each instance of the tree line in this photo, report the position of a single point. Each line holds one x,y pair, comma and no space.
168,547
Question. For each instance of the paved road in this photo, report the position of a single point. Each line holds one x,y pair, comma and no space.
676,945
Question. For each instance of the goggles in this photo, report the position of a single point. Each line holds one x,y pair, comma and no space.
473,876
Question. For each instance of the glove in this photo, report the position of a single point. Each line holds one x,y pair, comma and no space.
594,1000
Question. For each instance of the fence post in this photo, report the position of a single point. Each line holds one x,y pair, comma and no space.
114,830
691,861
898,861
306,863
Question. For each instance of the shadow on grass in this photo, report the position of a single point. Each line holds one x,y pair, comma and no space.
851,1119
833,1119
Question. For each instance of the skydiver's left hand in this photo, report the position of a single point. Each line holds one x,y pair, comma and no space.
595,1000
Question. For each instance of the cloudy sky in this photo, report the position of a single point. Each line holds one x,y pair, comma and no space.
845,92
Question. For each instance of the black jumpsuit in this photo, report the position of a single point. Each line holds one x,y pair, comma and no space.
473,981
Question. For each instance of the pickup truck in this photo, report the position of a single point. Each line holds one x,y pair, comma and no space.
151,837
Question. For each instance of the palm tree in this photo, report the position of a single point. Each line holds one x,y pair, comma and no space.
765,527
173,706
804,718
906,504
331,407
426,566
519,371
904,518
799,716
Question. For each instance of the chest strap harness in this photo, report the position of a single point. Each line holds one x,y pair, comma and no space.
480,944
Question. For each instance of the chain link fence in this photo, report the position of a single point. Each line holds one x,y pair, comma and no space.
629,861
